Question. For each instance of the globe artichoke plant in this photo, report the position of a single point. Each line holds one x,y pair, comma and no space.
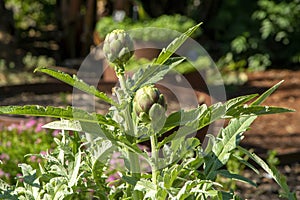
118,48
144,100
178,167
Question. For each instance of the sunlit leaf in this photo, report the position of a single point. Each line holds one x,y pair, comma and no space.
174,45
153,73
75,82
266,94
57,112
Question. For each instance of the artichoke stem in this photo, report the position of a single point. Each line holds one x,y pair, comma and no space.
154,154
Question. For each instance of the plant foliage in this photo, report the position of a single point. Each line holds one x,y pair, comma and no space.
83,164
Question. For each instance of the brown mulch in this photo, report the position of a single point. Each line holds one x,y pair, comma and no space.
280,132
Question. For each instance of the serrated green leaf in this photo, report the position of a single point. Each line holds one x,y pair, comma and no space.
57,112
217,111
153,73
266,94
233,103
148,187
227,140
182,117
95,130
76,82
174,45
188,120
6,191
170,175
150,75
238,177
99,150
256,110
29,175
70,125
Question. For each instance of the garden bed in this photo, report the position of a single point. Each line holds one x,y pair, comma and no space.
279,132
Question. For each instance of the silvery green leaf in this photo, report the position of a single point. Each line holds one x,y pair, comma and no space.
29,175
185,191
6,191
188,121
256,110
148,187
158,117
153,73
228,139
72,125
99,150
69,112
170,175
177,150
150,75
74,176
57,188
211,142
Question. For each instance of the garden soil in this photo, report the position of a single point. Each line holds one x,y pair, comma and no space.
279,132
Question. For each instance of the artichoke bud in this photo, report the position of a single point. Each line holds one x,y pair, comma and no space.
118,47
144,99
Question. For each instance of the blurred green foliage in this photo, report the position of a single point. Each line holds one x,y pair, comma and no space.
173,22
17,140
240,35
254,35
32,13
10,73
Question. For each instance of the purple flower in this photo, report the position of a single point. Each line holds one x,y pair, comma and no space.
116,161
30,123
55,133
39,127
111,178
19,177
1,173
33,158
38,141
7,175
4,156
12,127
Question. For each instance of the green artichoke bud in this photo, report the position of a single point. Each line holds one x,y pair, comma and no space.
118,47
144,100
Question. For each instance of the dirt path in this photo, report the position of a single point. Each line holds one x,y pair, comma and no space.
280,132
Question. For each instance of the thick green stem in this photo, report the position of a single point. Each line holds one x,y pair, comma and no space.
129,128
154,154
